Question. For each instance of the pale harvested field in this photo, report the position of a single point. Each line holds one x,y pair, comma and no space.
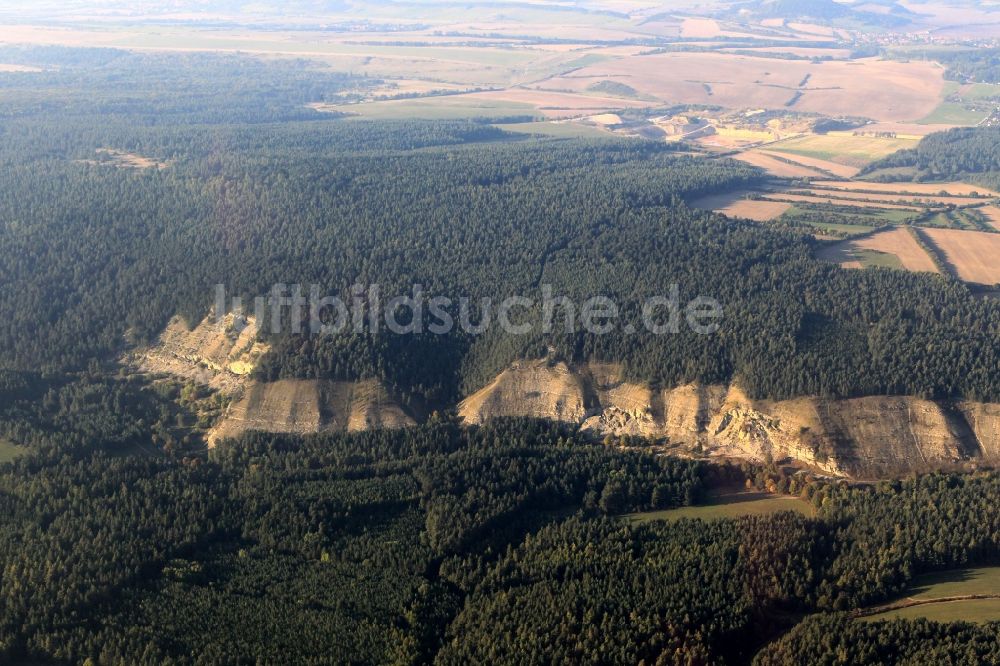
700,27
841,170
879,89
803,51
896,241
975,255
813,29
18,68
993,213
776,167
883,90
472,66
822,199
735,204
917,188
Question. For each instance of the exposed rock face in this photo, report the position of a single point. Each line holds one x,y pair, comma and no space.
310,406
219,354
540,389
984,419
865,437
222,355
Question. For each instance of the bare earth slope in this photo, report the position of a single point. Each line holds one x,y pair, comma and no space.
222,354
217,353
867,437
310,406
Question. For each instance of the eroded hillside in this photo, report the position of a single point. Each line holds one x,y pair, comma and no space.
310,406
866,437
863,437
220,353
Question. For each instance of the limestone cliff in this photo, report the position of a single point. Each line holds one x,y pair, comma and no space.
218,353
867,437
310,406
222,354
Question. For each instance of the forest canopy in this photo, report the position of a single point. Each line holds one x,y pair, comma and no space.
99,254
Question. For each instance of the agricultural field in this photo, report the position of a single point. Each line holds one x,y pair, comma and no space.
868,251
965,610
433,108
954,114
825,167
824,230
981,582
843,147
973,255
732,505
887,90
777,167
992,214
948,189
887,197
826,198
558,130
547,56
848,208
547,59
736,204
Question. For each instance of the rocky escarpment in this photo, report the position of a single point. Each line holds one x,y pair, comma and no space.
222,354
310,406
864,437
867,437
219,353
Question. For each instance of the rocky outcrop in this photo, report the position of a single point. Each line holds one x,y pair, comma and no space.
869,437
220,354
539,389
308,406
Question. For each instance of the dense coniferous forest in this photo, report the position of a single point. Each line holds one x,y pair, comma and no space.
98,256
964,153
977,65
122,541
444,544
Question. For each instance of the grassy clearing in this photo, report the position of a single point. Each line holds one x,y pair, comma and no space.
979,91
848,229
732,505
894,215
9,450
798,215
874,258
969,610
978,581
868,250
